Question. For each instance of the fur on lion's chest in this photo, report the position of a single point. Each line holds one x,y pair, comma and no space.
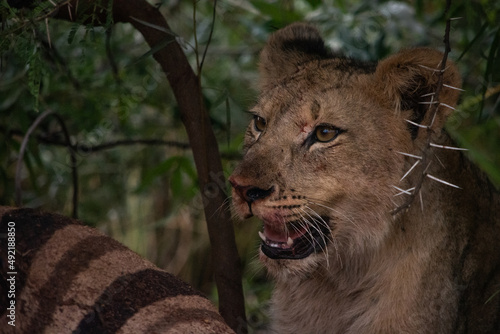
390,302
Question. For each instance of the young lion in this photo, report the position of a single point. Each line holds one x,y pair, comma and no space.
336,149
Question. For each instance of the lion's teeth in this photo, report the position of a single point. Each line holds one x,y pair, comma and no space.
276,244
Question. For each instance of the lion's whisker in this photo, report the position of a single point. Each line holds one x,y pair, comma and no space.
330,236
318,202
325,248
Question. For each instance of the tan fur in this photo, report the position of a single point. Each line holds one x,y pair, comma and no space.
427,269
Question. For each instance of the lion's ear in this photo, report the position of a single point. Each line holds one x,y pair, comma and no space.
287,49
409,80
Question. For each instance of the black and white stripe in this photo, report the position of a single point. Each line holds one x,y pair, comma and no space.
73,279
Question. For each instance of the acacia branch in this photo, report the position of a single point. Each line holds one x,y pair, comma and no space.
426,161
186,87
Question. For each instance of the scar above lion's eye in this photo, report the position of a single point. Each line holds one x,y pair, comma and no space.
326,133
259,123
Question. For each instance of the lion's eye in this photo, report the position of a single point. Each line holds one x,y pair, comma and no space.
326,133
259,123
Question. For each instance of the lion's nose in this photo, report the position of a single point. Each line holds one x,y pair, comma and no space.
253,193
250,193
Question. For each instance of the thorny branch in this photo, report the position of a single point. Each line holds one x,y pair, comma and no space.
434,106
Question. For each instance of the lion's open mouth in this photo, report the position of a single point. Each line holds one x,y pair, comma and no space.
303,241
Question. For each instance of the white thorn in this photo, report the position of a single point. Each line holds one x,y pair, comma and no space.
409,171
428,94
289,242
447,106
433,119
456,88
442,181
262,236
426,168
448,147
429,102
402,191
428,68
410,155
416,124
433,69
421,201
440,162
455,18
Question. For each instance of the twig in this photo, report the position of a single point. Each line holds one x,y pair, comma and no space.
49,139
19,166
209,39
115,143
74,171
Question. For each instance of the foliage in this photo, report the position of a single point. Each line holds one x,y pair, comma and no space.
105,85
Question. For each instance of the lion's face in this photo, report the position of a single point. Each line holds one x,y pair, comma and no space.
321,156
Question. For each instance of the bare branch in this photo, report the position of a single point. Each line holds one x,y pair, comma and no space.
73,166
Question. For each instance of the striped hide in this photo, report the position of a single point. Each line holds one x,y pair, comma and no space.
73,279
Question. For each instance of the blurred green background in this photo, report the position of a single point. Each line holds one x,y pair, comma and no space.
106,87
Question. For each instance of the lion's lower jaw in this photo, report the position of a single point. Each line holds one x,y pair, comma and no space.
283,269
